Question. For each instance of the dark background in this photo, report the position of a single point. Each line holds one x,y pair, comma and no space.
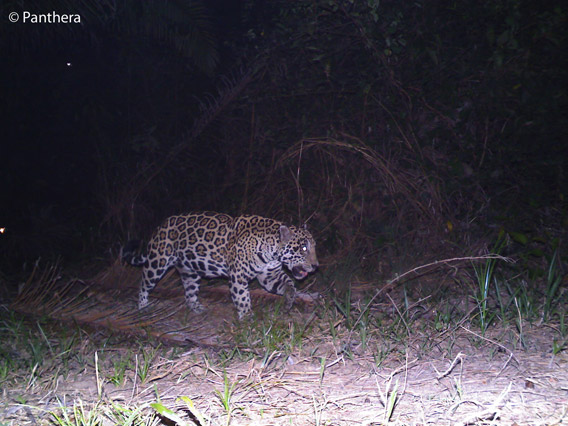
394,127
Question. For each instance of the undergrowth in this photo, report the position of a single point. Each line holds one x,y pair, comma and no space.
355,321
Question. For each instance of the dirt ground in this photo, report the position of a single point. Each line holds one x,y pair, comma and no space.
330,376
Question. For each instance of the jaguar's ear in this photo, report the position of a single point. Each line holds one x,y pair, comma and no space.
305,226
285,234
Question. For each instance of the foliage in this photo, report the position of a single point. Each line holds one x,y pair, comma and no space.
173,416
374,120
485,277
366,111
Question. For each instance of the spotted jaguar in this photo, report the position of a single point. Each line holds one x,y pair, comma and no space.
211,245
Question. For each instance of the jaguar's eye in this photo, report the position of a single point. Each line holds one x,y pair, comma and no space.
304,248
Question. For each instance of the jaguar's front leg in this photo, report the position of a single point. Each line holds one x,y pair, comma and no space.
276,281
240,295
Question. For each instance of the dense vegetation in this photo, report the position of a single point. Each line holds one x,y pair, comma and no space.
371,119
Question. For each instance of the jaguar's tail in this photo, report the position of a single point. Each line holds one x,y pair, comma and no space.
128,254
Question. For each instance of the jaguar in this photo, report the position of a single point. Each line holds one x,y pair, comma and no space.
212,245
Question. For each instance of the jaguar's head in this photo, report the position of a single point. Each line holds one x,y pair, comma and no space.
298,251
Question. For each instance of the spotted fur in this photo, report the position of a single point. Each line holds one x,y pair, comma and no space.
211,245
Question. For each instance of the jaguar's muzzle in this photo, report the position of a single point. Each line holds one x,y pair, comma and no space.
300,271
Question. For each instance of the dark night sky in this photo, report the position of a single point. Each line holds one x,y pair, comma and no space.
52,88
73,98
49,156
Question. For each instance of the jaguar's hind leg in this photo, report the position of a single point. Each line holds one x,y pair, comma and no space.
190,280
150,278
